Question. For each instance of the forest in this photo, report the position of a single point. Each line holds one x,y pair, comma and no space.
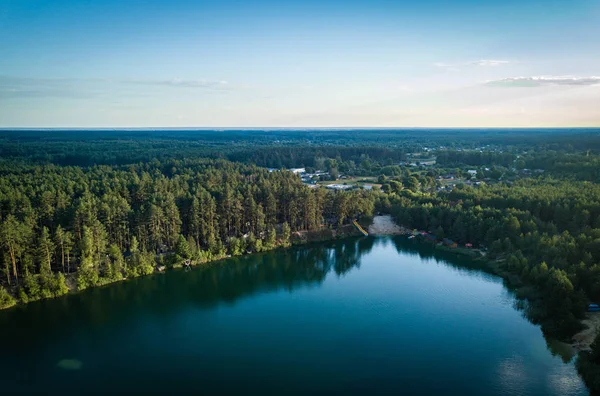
81,210
106,223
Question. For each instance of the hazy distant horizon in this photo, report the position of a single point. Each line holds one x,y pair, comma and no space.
291,129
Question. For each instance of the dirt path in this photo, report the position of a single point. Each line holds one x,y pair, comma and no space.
583,339
385,225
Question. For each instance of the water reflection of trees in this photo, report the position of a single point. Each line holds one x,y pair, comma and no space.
224,282
346,256
201,288
457,262
477,268
558,348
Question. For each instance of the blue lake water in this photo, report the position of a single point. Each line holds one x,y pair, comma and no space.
378,315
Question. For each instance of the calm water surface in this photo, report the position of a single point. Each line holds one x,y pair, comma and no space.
378,315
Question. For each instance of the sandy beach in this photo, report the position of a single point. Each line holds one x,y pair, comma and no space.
385,225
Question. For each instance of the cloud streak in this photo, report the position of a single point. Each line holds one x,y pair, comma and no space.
24,87
480,62
489,62
540,81
181,83
27,87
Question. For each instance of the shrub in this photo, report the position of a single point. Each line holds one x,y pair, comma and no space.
6,300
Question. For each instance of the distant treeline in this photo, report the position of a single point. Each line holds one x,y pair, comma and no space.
282,148
476,158
581,166
296,157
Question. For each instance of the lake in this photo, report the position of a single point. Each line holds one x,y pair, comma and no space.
379,315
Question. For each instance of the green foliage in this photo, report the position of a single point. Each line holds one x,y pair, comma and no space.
85,220
116,262
87,277
170,260
271,240
251,242
14,236
45,252
45,285
236,246
285,234
31,287
182,248
146,263
258,245
140,263
6,300
60,285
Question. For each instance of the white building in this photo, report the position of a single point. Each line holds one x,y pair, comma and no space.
338,186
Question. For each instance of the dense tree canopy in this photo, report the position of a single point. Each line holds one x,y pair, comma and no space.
110,222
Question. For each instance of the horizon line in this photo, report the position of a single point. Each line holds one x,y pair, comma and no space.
278,128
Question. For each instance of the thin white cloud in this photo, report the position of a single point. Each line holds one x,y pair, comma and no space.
12,87
490,62
480,62
538,81
26,87
207,84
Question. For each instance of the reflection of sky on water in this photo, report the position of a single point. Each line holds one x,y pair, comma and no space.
512,375
515,376
563,380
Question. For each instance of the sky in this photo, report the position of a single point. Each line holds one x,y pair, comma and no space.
299,63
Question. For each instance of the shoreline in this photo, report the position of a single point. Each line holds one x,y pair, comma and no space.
380,225
297,238
584,339
578,342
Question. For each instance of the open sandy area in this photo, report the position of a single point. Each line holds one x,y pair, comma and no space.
583,339
385,225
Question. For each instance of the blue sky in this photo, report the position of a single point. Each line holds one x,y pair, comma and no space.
67,63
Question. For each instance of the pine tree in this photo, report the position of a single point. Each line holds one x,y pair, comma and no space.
45,251
285,234
68,245
59,239
182,248
271,240
14,236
